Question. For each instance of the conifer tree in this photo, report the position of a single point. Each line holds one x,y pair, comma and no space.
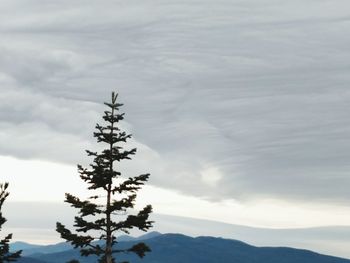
5,254
107,211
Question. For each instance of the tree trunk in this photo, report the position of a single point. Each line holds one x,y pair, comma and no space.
109,258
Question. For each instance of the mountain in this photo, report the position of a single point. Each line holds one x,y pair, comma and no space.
30,249
173,248
29,260
125,238
19,245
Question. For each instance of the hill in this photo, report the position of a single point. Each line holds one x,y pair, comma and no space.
173,248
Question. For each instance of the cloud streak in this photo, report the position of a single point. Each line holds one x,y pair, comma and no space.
227,100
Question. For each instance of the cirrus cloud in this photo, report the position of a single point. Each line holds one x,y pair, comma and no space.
226,99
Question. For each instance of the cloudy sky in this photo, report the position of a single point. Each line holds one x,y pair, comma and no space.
239,109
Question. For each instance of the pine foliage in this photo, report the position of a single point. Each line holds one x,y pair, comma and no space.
107,212
5,254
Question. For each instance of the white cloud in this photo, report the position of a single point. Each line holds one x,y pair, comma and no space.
211,176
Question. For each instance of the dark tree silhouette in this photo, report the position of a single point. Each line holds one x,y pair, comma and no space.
5,254
107,212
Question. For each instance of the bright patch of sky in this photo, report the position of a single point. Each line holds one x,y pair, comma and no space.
43,181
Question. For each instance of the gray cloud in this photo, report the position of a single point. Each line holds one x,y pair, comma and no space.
226,99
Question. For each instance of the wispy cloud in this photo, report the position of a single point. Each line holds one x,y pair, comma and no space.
255,91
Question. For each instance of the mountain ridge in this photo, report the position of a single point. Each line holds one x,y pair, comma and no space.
32,249
204,249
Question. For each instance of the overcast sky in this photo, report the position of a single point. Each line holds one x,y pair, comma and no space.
241,106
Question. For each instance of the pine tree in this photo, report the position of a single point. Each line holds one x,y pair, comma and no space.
5,254
107,212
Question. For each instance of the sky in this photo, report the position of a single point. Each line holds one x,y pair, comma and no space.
239,109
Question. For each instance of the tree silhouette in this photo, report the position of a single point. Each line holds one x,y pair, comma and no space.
5,254
107,211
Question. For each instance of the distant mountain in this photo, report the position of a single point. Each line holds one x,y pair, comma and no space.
149,235
29,260
29,249
171,248
23,246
